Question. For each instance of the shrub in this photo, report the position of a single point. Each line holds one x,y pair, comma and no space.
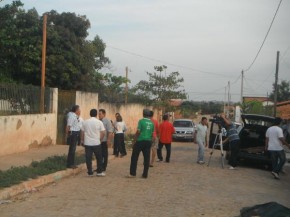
16,175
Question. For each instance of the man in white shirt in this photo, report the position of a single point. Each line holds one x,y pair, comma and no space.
93,132
274,142
72,134
200,137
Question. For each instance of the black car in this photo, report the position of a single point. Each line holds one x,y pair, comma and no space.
252,137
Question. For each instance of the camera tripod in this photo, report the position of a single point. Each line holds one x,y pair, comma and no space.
218,138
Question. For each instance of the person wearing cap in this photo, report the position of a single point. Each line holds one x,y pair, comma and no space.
142,142
234,140
274,144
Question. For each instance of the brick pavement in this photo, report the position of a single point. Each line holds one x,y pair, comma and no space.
180,188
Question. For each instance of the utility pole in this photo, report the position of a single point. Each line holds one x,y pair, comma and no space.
242,87
126,87
225,99
229,99
276,84
43,63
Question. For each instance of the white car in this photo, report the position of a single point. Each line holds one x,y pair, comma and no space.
184,129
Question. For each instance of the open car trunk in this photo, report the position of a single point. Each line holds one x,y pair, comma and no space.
252,137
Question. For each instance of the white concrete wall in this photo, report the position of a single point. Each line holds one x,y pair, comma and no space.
131,114
86,101
19,133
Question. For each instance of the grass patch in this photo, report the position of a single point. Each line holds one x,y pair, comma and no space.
16,175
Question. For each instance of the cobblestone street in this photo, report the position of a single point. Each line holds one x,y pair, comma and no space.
180,188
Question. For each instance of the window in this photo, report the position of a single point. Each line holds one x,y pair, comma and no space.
182,124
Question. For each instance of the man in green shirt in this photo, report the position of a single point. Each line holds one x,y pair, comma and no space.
142,142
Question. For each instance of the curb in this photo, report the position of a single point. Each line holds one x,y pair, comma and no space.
33,184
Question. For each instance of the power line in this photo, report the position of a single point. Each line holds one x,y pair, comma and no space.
273,71
167,63
264,38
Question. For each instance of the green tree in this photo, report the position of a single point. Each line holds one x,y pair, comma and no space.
111,88
72,61
283,91
20,42
160,88
191,107
256,107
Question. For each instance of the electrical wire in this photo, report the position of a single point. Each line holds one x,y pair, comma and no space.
167,63
273,71
264,38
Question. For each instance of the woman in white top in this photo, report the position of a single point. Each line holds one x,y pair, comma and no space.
119,140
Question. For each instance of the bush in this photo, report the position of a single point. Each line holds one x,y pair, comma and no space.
16,175
129,140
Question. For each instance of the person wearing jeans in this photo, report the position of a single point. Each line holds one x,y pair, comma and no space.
93,132
200,137
166,130
234,139
274,144
142,142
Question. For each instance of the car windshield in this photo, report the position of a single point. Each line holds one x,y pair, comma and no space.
182,124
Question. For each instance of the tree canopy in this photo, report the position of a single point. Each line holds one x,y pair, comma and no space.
283,91
72,61
189,108
160,88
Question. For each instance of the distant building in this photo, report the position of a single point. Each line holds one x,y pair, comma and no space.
176,102
264,100
283,109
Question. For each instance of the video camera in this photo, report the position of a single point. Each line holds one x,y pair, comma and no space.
218,120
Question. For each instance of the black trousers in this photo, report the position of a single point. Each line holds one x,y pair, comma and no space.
104,146
145,147
168,151
72,141
119,144
97,151
235,148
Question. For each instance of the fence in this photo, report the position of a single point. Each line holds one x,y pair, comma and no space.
20,99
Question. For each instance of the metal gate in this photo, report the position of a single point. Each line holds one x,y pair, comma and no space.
66,99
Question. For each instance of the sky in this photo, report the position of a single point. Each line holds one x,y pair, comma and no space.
209,42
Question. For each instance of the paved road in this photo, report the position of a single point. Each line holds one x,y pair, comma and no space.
180,188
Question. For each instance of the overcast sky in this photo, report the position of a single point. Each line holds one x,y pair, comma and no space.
208,41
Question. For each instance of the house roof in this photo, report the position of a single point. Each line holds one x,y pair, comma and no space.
283,103
176,102
255,98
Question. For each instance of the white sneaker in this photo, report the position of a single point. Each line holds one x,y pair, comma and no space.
276,175
201,162
101,174
232,168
